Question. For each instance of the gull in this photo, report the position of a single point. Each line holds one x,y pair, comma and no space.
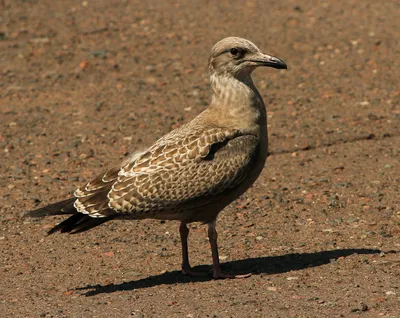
193,172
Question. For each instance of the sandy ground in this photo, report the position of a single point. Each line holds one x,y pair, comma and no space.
85,83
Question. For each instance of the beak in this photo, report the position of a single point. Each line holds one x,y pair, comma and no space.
268,60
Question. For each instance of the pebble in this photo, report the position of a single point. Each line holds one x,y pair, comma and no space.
111,253
151,68
360,308
83,65
40,40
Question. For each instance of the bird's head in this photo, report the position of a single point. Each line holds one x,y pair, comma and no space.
239,57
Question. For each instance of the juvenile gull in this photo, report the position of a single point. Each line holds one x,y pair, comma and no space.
193,172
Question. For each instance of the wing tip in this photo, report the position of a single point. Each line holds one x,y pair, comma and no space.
78,223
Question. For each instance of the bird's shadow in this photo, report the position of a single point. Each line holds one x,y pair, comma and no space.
258,265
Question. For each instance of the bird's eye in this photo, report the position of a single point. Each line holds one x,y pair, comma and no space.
235,51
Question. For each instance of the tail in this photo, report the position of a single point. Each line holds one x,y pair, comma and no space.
76,223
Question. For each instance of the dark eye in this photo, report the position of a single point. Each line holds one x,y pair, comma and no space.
236,51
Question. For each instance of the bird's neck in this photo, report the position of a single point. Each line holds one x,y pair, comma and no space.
238,102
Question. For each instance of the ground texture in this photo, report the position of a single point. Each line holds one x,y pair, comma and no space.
85,83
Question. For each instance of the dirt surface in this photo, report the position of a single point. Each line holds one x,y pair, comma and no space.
85,83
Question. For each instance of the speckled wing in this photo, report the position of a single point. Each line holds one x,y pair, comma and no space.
92,197
179,173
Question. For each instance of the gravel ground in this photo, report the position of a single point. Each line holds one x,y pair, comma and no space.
83,84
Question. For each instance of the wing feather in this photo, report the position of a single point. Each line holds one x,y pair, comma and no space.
190,172
182,170
92,197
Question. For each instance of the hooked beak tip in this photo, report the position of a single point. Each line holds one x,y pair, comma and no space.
270,61
275,62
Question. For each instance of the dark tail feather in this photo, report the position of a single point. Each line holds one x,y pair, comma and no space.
58,208
78,223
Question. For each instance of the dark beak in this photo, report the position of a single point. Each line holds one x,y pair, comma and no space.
270,61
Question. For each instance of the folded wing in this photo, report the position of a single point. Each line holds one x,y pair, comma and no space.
174,177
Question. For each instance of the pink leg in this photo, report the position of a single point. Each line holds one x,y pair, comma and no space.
217,273
186,269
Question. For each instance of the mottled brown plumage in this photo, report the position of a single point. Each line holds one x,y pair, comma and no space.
193,172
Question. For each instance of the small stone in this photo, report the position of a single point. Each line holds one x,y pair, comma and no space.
110,254
360,308
133,273
366,208
151,68
40,41
352,220
83,65
363,307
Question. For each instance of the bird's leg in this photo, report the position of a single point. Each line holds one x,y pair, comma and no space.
217,273
186,269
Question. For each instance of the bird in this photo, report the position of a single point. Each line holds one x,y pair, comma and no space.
193,172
